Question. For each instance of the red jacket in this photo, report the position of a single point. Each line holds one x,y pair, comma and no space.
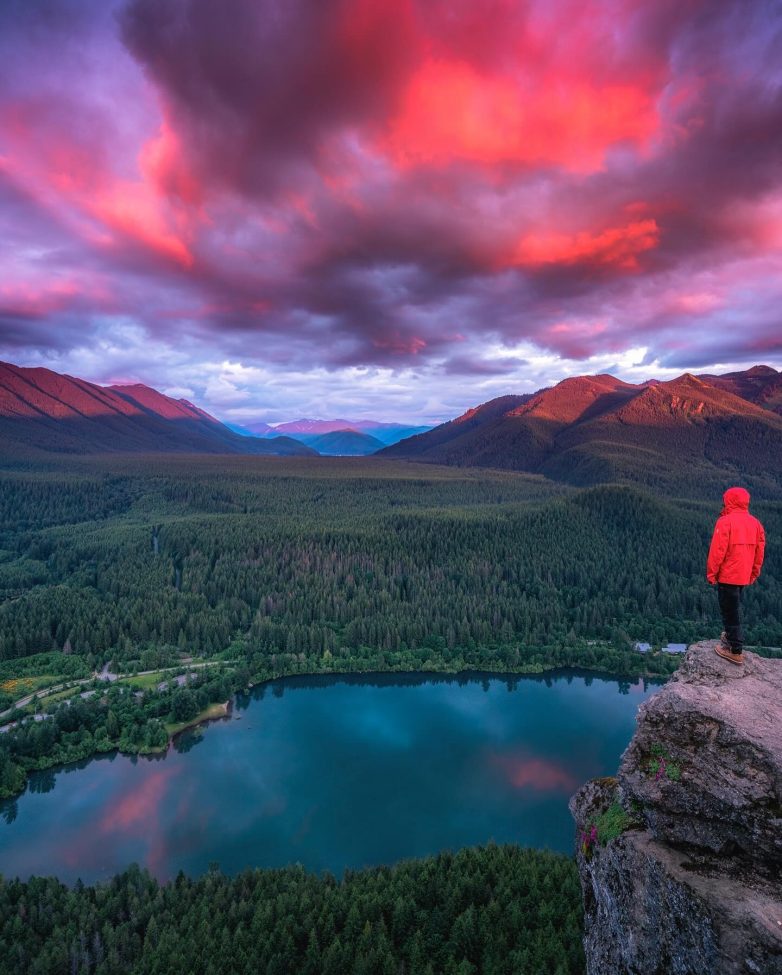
738,543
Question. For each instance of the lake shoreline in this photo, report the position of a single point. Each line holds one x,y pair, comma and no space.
224,709
214,712
442,760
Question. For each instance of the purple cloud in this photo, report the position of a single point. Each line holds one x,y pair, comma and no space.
408,191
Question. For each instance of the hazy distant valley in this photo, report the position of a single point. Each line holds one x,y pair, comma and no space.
693,435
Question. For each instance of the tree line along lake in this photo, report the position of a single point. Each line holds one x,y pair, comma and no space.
333,773
253,569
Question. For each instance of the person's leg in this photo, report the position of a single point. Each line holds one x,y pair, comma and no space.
730,607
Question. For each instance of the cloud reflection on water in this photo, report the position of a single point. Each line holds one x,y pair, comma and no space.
534,772
337,773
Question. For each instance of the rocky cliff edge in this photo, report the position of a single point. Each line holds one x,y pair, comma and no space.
680,855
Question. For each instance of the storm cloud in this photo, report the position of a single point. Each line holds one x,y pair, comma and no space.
391,193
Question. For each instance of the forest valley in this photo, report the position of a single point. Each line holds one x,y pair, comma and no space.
253,568
190,578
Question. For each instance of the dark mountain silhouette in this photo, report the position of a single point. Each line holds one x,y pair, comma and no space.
306,429
254,430
594,429
41,410
344,443
389,433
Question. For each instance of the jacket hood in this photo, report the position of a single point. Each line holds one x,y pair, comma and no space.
734,499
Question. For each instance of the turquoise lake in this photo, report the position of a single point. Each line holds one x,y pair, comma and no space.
334,773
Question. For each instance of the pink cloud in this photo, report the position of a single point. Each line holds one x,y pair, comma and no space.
451,111
403,345
46,298
88,195
359,182
696,303
618,246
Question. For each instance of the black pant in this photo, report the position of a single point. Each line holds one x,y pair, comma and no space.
730,607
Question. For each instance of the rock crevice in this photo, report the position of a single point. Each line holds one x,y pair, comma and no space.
680,856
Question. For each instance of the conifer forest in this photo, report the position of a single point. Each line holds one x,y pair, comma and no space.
239,570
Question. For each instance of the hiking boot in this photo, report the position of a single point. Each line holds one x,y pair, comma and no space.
723,650
727,645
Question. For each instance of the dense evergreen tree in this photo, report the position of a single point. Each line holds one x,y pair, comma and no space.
267,567
282,567
497,910
112,718
309,563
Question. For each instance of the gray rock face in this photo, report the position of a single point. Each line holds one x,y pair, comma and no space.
694,882
722,725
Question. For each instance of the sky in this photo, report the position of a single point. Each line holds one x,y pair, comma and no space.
388,208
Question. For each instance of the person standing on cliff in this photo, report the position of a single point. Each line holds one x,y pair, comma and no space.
735,557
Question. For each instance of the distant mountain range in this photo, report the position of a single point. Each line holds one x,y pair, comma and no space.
308,430
343,443
45,411
386,433
674,435
596,429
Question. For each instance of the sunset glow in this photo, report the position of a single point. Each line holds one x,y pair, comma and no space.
396,209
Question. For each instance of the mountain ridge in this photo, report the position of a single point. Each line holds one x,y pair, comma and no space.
306,429
593,429
583,430
42,410
157,403
344,443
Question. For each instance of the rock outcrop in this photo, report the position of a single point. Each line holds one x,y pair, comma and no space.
680,855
